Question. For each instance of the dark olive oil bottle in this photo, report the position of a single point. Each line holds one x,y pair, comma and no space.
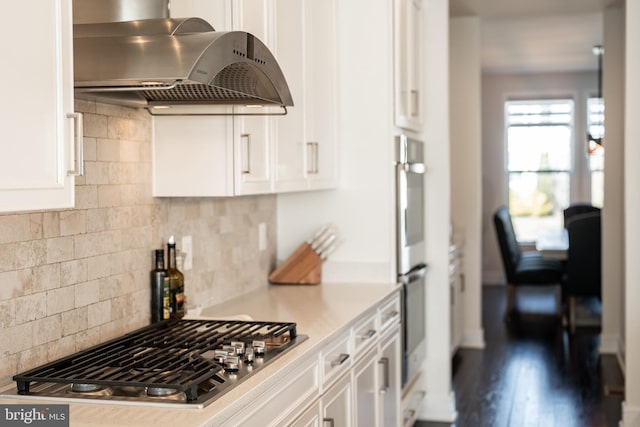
158,277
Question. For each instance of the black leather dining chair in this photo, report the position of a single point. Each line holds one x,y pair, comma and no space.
523,268
584,266
578,209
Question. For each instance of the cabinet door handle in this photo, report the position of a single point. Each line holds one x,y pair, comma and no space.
385,376
78,144
328,420
312,158
340,360
245,140
415,103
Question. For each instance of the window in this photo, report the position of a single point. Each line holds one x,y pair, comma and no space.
539,141
595,126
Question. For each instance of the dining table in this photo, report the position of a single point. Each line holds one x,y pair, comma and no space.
553,243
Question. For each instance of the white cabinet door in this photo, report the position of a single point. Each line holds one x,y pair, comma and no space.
391,379
215,12
408,64
192,157
336,404
40,144
310,417
306,48
253,134
366,390
291,168
321,106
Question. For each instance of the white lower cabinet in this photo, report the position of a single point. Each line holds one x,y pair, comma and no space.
280,402
377,384
361,374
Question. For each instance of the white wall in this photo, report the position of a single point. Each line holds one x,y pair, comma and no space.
362,207
613,210
631,405
440,401
466,163
496,89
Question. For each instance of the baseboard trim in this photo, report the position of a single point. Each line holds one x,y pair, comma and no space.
609,344
493,278
473,339
630,416
439,408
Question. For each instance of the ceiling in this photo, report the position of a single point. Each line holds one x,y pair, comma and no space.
536,35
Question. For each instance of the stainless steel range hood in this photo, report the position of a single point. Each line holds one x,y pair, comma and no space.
170,66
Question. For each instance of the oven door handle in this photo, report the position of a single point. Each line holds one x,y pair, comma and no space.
416,273
418,168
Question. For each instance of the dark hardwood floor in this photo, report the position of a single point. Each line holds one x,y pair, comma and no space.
532,373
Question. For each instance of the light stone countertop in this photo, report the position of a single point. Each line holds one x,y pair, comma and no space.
320,312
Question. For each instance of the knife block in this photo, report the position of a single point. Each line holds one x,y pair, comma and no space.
303,267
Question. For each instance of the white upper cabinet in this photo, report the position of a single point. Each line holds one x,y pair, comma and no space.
408,34
306,48
262,154
253,145
217,155
41,134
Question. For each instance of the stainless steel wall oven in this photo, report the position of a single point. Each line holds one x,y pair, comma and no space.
410,238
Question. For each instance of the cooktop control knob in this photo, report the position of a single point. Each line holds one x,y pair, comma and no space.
259,347
231,363
248,356
239,346
220,355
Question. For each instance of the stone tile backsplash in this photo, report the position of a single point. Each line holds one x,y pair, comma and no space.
74,278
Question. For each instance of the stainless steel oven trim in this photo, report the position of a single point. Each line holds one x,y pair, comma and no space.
409,161
414,351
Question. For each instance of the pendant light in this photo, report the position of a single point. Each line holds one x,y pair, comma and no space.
598,51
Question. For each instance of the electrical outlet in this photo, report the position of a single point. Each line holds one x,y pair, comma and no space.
187,249
262,236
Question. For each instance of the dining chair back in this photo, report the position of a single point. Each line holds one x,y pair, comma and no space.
524,268
584,261
578,209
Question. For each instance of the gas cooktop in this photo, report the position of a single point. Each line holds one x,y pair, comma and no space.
187,363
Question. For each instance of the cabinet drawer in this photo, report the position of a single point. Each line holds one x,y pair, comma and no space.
295,391
390,313
336,359
365,334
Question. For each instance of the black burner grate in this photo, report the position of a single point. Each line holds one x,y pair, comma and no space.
170,355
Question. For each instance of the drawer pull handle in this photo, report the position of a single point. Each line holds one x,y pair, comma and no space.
329,420
368,335
390,315
340,360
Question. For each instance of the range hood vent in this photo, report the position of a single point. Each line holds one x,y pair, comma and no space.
176,66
